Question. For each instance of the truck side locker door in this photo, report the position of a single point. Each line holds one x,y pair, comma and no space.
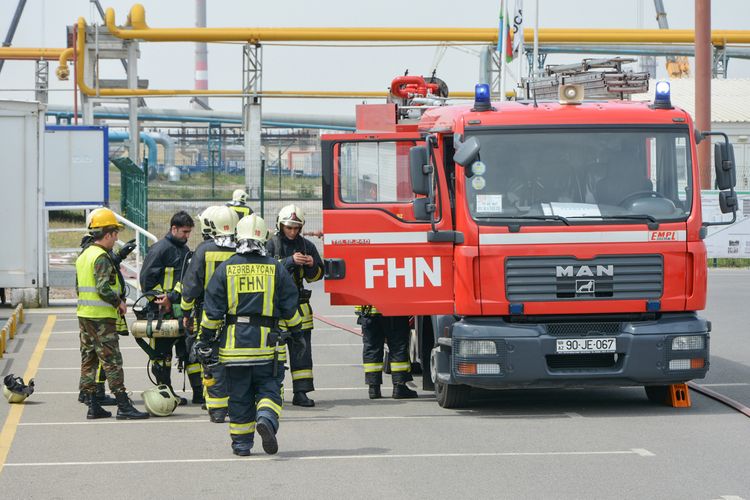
369,224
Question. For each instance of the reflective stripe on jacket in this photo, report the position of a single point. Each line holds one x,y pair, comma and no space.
90,303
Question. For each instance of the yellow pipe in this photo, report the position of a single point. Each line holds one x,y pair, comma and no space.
139,30
62,70
30,54
165,92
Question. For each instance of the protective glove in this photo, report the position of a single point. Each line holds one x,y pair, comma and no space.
126,250
205,352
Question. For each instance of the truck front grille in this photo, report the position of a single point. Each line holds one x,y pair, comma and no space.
608,277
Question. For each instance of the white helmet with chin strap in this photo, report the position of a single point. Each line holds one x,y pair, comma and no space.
223,221
291,215
252,227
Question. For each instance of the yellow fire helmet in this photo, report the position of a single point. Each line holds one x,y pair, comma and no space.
102,217
15,391
160,401
291,215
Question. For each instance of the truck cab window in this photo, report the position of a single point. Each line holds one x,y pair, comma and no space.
375,172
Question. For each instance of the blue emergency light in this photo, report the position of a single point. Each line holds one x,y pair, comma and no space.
482,97
662,95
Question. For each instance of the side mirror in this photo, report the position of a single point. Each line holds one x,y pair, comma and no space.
467,152
727,202
423,208
726,177
419,170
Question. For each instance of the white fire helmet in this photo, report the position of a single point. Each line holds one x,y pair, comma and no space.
292,216
224,221
160,401
252,227
239,196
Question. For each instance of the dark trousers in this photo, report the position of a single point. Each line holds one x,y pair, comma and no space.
378,330
254,392
161,367
217,394
300,361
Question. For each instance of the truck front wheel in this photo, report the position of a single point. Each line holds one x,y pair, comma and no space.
658,394
452,396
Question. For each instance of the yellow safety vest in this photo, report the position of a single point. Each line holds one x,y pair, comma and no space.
90,304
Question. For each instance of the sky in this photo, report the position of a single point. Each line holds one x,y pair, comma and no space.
171,65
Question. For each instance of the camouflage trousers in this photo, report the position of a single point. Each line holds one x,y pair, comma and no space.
100,344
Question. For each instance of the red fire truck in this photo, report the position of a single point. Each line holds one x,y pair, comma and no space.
538,244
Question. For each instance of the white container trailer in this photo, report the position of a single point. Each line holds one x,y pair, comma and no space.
21,177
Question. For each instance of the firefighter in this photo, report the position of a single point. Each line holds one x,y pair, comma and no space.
162,274
100,304
239,203
222,222
300,257
378,330
248,294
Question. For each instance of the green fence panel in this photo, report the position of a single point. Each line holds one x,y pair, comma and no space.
134,194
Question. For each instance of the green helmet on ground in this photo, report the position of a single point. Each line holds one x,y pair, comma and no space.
160,401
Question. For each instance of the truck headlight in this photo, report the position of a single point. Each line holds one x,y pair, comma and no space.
476,348
688,343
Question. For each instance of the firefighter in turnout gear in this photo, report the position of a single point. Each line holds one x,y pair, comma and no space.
222,222
246,298
100,305
377,330
301,259
239,203
161,275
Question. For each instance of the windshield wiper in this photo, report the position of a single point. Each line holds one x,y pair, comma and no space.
652,222
538,217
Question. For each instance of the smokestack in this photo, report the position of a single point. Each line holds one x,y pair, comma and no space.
201,57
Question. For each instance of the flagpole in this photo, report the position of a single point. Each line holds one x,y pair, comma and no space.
519,33
504,48
535,71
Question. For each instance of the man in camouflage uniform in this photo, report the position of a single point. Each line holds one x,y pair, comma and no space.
99,307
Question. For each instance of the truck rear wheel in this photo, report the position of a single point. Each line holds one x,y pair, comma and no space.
452,396
658,394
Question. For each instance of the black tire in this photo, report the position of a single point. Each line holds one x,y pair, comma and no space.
452,396
658,394
416,368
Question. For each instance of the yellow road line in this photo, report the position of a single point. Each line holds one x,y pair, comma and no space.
16,410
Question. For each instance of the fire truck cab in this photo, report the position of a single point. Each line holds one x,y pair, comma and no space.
537,244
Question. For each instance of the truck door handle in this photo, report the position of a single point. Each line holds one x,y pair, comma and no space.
335,269
445,236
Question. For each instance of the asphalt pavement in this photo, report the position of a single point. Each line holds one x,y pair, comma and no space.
575,443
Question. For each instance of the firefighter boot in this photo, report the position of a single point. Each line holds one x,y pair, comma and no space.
196,384
301,399
126,410
241,448
95,409
83,397
374,391
401,391
267,432
102,397
217,415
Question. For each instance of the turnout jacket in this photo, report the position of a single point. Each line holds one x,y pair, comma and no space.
203,264
162,267
249,293
282,248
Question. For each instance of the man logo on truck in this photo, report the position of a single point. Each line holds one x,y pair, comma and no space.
584,271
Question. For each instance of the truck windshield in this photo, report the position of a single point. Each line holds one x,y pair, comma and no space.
576,175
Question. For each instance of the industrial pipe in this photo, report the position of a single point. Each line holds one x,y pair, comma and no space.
140,30
168,143
122,136
32,54
89,91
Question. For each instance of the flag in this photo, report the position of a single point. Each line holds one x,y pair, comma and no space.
503,33
518,28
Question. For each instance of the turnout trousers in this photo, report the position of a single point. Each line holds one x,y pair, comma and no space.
254,392
377,331
300,353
